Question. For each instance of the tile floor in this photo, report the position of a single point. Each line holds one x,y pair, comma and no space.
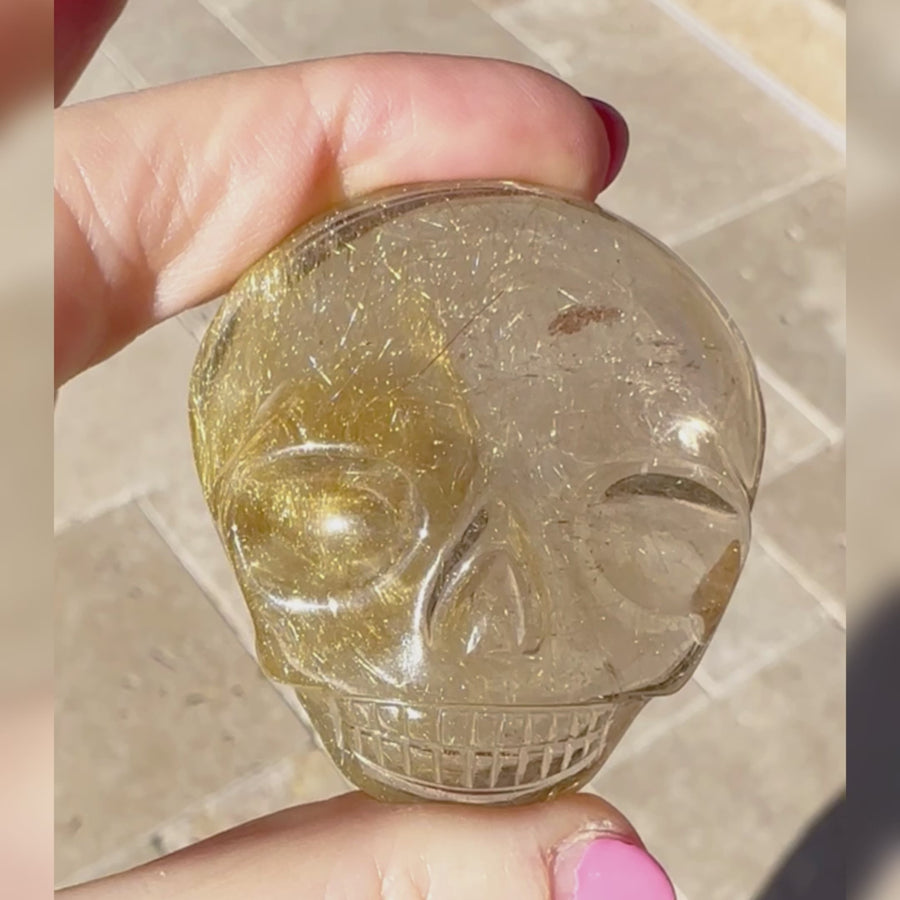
166,732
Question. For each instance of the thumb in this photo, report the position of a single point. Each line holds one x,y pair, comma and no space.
575,848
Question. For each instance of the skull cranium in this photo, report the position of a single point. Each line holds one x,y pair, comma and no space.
483,459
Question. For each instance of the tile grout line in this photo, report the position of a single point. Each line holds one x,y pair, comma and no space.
720,690
191,567
528,41
795,460
195,573
131,494
259,50
126,69
826,599
831,430
760,201
654,734
801,109
705,682
188,329
804,456
130,78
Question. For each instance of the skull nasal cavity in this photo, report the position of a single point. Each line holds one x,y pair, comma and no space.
492,607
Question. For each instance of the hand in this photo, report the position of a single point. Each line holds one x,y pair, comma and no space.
162,199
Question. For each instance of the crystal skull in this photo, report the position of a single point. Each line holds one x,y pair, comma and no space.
482,457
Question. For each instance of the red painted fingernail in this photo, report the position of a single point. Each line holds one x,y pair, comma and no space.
617,135
78,28
609,868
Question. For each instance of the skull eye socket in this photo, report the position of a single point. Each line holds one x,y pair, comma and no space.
667,539
309,527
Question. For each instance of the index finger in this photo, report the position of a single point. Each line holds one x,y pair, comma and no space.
163,198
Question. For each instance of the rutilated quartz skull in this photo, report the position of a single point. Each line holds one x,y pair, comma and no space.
483,458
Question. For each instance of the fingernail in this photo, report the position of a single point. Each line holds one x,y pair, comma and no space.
609,868
617,135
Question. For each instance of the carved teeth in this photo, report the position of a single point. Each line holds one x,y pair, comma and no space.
471,751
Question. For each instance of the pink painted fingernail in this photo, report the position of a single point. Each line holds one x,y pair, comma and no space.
609,868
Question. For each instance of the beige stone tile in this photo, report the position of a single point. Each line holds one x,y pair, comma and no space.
300,778
769,613
174,503
803,513
180,515
655,719
704,139
287,31
781,272
158,705
803,45
100,79
719,797
121,427
172,40
305,777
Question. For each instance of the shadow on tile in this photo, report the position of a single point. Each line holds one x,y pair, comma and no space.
814,869
842,852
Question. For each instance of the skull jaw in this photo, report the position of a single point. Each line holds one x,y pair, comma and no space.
466,754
